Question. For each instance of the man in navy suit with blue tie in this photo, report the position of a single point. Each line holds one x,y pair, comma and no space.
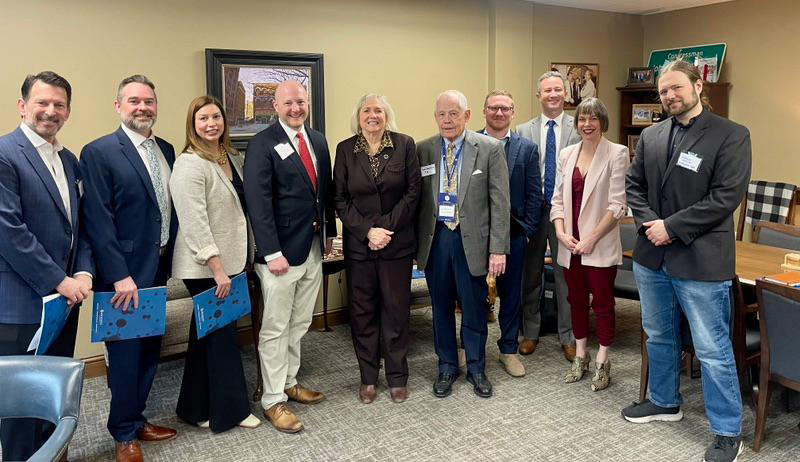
131,224
42,251
525,190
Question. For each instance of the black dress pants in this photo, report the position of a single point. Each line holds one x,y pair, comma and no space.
380,299
21,438
213,386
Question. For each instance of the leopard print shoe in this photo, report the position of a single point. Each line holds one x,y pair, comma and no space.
579,367
602,376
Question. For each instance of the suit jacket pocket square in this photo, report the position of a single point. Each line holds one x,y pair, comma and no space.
477,172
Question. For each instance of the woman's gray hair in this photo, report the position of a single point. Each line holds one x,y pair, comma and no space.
462,100
387,109
593,107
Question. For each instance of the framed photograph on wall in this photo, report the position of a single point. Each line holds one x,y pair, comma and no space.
645,114
633,140
641,76
245,82
582,81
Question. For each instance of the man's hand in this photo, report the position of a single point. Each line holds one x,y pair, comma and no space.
657,232
86,280
125,291
223,285
497,264
379,238
584,247
278,266
73,290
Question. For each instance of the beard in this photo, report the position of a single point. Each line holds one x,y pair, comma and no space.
685,106
139,124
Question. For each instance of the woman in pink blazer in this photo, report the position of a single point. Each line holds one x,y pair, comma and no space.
588,201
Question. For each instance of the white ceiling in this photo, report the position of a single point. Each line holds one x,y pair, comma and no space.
631,6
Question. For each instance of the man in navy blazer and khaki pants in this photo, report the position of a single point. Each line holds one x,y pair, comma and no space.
132,226
42,251
288,188
525,189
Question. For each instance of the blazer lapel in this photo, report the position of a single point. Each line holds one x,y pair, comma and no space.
435,160
295,157
596,168
512,151
224,178
135,159
694,134
469,154
42,170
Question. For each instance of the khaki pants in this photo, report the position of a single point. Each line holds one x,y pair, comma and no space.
289,302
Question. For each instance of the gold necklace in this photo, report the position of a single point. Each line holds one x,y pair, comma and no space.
222,157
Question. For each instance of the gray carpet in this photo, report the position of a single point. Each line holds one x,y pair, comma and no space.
532,418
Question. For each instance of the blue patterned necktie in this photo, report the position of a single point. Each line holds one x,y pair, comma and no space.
158,186
550,162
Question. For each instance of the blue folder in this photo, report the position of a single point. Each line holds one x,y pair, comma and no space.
212,313
149,320
55,310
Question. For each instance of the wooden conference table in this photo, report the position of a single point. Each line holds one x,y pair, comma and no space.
753,261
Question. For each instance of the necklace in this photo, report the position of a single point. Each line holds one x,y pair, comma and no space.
222,157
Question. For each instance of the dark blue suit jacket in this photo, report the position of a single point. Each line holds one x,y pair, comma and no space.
38,247
525,185
121,212
280,199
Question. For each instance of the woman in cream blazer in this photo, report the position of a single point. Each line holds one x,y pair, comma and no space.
588,202
211,247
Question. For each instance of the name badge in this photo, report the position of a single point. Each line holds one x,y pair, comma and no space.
284,150
689,161
428,170
447,207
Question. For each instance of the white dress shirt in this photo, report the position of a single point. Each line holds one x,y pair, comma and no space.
543,143
137,141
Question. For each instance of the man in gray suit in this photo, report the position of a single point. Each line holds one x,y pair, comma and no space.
689,175
463,228
552,131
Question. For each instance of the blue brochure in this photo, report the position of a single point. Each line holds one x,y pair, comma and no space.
149,320
55,310
212,313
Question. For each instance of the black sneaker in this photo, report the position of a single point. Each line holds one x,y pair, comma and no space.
646,411
724,449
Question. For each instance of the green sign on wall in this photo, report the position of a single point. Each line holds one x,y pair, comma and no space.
659,57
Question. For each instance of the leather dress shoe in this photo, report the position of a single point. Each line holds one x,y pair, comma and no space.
303,395
480,384
283,419
367,393
398,394
150,432
491,316
527,346
569,352
443,385
129,451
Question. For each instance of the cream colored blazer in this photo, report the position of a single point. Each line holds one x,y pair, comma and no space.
604,190
211,221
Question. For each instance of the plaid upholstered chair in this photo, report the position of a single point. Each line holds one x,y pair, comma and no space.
766,201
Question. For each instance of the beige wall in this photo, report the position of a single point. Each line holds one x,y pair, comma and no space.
761,64
408,50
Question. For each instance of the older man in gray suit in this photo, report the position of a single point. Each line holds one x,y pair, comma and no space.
552,131
463,231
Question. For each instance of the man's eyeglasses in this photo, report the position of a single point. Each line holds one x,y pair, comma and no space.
503,109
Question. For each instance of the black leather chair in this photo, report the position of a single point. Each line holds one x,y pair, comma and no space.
47,388
625,284
779,308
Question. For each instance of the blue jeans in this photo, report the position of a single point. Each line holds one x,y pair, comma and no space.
707,307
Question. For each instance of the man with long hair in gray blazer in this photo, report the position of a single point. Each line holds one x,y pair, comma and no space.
462,233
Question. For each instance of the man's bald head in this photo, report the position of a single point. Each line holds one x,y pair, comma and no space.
291,103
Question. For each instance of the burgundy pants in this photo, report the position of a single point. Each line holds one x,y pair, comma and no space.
582,281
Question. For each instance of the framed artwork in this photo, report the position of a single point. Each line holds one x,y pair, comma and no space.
245,82
645,114
633,140
582,81
641,76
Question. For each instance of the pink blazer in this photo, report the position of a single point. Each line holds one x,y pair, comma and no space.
604,190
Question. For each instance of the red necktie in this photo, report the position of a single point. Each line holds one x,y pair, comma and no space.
305,156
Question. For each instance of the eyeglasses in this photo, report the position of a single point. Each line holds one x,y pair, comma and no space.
503,109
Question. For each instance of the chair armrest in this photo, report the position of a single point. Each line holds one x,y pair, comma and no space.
58,442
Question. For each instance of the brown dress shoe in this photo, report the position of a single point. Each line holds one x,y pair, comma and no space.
490,315
398,394
150,432
129,451
569,352
527,346
283,419
367,393
303,395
